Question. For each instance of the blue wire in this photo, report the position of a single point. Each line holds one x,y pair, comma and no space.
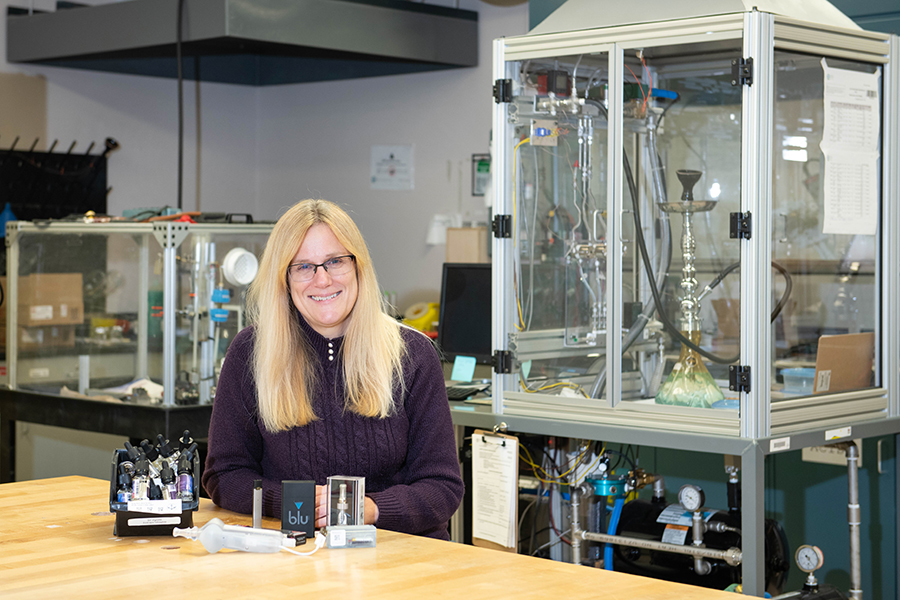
611,530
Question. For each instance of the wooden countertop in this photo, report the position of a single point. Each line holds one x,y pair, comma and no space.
56,541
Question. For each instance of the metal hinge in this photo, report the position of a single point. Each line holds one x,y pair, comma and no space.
739,378
742,71
502,226
503,90
502,361
741,225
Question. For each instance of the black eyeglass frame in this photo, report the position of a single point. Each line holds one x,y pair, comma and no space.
316,266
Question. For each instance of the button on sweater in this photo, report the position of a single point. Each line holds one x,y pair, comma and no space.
409,459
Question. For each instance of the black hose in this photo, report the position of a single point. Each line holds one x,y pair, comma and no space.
788,285
178,42
645,258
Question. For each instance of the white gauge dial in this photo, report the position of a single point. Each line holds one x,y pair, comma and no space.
691,497
809,558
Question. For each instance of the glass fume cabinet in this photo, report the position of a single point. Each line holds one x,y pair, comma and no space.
96,306
694,225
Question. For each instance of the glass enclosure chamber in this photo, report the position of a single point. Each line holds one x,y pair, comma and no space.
693,225
94,307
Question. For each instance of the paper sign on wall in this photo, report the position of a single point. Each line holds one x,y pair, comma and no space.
393,168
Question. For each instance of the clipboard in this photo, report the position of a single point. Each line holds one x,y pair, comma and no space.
495,490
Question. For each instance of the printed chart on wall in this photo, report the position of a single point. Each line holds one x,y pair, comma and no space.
850,145
495,492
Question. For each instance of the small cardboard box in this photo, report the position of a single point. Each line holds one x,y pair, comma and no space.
467,245
131,522
50,299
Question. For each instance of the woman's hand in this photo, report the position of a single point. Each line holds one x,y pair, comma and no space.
322,508
371,511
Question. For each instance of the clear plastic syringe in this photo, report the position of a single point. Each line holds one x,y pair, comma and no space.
216,535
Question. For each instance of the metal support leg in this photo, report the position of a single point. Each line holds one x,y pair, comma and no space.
753,519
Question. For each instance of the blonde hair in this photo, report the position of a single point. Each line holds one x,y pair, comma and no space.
283,362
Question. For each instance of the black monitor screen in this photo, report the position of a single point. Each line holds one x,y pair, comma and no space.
464,326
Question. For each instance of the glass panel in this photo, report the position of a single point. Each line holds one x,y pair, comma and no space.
826,209
70,312
682,180
211,277
559,221
90,308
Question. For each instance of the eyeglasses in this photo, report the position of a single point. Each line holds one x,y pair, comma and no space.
339,265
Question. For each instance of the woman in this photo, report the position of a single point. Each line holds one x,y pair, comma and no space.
326,383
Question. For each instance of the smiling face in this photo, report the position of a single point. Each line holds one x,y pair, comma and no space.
325,301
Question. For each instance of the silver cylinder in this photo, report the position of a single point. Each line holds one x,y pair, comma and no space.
575,510
732,556
854,520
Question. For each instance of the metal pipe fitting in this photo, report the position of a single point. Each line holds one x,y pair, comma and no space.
731,556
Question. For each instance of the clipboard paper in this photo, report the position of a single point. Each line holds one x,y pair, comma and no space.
495,493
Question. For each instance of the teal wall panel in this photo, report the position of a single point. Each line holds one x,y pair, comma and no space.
810,502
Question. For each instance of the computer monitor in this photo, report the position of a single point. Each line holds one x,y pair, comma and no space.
464,325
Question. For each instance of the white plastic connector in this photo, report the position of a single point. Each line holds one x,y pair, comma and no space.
320,541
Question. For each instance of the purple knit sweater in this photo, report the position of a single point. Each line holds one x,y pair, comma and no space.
409,459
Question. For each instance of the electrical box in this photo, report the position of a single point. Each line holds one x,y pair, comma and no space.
94,307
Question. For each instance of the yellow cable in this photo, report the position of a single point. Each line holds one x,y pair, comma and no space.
521,324
567,384
550,478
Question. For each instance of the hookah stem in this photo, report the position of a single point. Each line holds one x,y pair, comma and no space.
645,258
689,310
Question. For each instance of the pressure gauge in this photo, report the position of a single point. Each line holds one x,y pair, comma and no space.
809,558
691,497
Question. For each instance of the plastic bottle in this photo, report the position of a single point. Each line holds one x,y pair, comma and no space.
216,535
6,215
165,450
153,456
185,440
186,474
169,487
125,491
141,485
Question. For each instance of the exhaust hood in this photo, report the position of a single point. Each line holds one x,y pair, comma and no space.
577,15
251,42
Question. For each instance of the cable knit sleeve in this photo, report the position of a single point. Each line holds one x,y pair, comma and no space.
428,487
235,441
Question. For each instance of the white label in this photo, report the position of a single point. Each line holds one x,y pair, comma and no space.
836,434
823,380
146,521
63,310
337,538
674,514
829,455
161,507
780,444
41,313
39,373
675,534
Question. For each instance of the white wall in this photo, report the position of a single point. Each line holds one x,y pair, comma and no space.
141,114
259,150
316,139
262,149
